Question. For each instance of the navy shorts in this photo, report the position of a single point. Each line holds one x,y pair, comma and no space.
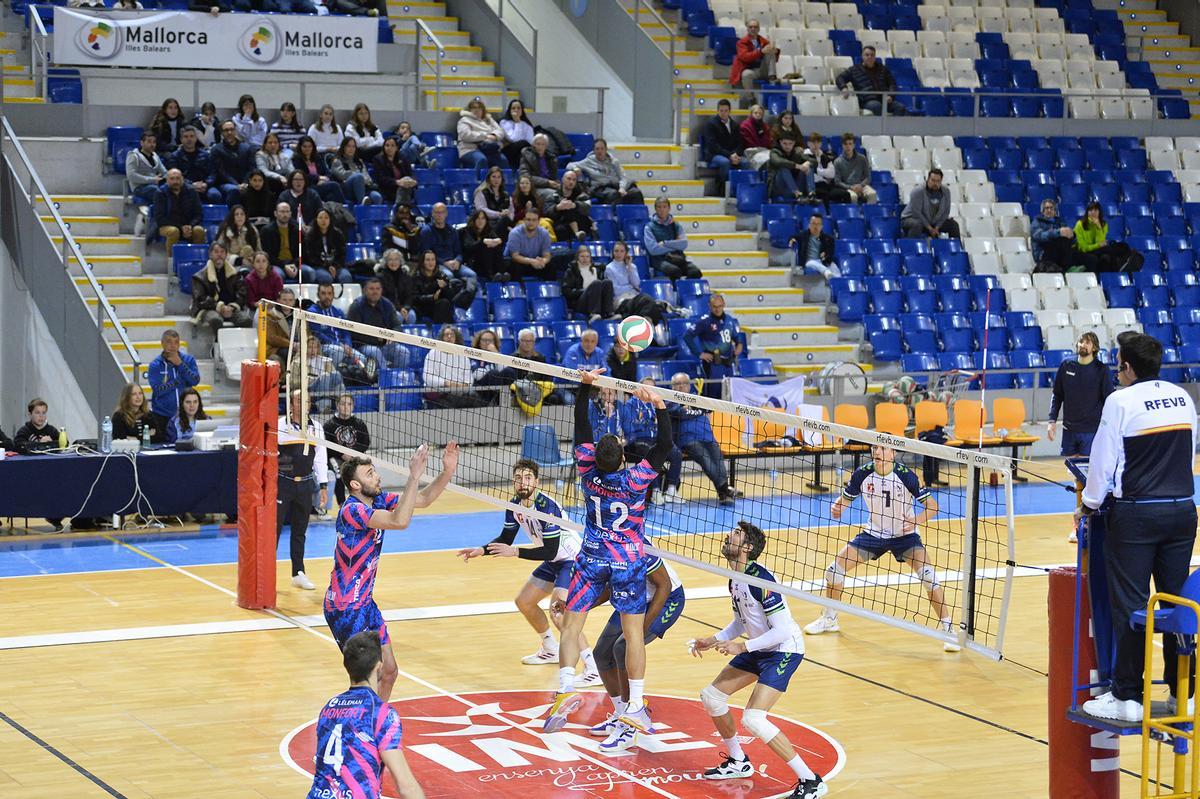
554,572
626,582
664,621
774,669
877,547
1077,443
345,623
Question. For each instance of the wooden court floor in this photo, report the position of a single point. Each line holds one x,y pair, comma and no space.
193,697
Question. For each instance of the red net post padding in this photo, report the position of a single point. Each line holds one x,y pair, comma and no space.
258,471
1084,761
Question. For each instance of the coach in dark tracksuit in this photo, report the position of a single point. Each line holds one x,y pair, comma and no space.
1142,459
1080,388
301,469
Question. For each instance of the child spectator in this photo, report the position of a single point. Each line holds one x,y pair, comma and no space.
183,424
393,174
37,435
367,136
325,132
272,162
206,124
288,129
251,126
167,126
348,169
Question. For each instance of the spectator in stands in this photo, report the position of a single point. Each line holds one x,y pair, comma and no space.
325,132
814,248
167,126
393,174
177,214
583,354
281,242
571,215
852,172
412,149
303,201
518,132
928,211
404,230
628,296
527,350
132,415
443,239
790,175
365,133
372,309
168,375
823,160
483,248
479,136
336,344
262,282
207,124
540,165
754,60
348,430
348,169
183,424
196,165
528,248
144,170
585,289
665,242
621,362
756,138
525,197
219,293
694,435
641,425
486,373
325,250
873,82
493,201
452,374
251,126
279,327
233,161
258,200
605,177
1053,240
604,413
397,284
216,7
308,160
437,291
238,235
288,129
1092,249
273,163
37,435
723,143
785,123
715,339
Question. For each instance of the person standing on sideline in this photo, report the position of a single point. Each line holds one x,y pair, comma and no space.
299,463
714,340
169,375
767,661
348,430
1141,466
1080,388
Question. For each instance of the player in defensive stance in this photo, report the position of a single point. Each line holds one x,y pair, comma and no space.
358,734
664,606
556,548
767,660
891,492
613,557
368,510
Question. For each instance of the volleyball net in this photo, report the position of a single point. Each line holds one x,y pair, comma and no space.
782,467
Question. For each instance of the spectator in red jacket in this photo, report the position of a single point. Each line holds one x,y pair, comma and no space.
756,137
755,60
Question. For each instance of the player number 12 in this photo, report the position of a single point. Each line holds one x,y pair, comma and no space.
619,508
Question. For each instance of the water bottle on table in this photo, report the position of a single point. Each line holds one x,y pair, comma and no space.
106,435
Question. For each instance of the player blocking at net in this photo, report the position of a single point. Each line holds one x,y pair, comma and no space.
613,556
369,510
892,491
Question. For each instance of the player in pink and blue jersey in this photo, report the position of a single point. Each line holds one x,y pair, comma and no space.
613,556
358,734
369,510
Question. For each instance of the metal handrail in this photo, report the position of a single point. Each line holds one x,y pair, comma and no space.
39,53
530,25
436,64
70,248
636,13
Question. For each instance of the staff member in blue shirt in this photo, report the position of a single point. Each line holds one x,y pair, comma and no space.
1142,460
169,375
714,340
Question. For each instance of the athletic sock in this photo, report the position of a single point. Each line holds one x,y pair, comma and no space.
618,704
734,747
636,689
803,772
548,642
566,680
947,626
589,662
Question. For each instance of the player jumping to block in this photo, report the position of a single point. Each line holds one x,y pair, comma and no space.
613,555
358,734
767,661
891,491
556,547
368,510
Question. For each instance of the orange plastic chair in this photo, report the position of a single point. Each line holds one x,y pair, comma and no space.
969,419
850,415
771,431
727,430
1010,416
930,414
891,418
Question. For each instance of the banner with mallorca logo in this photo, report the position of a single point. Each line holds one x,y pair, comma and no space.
189,40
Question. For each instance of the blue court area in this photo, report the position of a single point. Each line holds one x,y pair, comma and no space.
37,555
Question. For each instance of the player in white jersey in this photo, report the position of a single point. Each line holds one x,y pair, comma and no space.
767,661
556,548
891,493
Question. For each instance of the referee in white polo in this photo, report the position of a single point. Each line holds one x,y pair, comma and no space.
1142,458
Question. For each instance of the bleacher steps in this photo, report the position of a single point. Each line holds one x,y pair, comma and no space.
454,52
634,154
149,328
86,205
452,68
808,353
756,315
739,278
408,8
483,83
700,225
87,225
133,306
141,285
749,259
671,188
406,25
722,242
791,335
109,265
642,172
19,88
106,245
692,206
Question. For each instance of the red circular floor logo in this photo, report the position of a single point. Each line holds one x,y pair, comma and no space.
492,744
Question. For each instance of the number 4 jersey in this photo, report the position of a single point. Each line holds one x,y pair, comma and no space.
614,527
353,731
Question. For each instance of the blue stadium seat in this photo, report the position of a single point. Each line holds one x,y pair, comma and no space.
885,265
886,228
757,367
626,212
660,290
852,228
651,369
886,344
961,361
995,360
750,198
547,309
1027,359
1186,296
510,309
698,287
919,362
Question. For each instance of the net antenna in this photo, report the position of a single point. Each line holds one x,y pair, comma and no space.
970,543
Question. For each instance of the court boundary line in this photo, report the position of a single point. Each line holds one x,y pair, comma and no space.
401,672
83,772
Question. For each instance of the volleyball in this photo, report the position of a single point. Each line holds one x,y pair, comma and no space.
635,333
